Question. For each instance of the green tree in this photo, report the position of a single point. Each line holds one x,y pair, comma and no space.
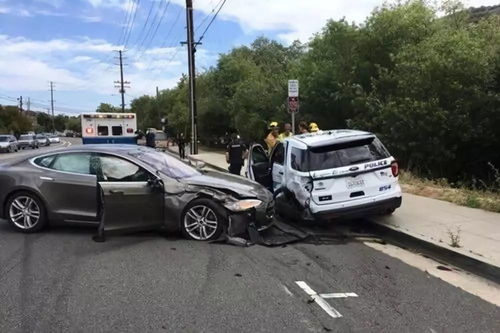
107,108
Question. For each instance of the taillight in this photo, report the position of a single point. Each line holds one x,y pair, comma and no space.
130,130
395,168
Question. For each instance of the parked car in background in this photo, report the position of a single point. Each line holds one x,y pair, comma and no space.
42,140
70,134
27,141
54,138
8,143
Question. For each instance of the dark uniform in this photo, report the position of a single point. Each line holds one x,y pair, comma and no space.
150,140
235,151
181,142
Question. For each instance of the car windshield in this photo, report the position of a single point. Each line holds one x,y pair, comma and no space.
338,155
4,138
40,137
169,166
25,137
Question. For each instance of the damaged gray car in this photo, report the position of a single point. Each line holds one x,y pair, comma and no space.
128,187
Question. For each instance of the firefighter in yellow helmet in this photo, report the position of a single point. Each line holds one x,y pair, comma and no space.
313,127
272,138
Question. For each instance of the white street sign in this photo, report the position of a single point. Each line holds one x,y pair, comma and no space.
293,88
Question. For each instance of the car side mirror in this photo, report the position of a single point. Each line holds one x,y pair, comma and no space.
155,183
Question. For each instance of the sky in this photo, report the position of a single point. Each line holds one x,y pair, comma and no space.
73,43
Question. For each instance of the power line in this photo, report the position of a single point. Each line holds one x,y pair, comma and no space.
211,21
132,24
145,23
150,28
207,16
126,21
158,25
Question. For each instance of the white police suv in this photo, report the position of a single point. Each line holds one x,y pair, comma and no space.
328,174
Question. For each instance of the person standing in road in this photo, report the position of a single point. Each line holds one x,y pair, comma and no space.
181,142
287,133
273,135
150,139
236,153
303,128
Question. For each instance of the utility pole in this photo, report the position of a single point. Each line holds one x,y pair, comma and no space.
20,99
52,104
121,82
28,104
192,97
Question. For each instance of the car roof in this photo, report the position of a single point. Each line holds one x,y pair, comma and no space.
106,148
328,137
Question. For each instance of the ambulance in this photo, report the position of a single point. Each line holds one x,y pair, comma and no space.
109,128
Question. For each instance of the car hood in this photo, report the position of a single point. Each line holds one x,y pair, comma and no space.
239,186
4,144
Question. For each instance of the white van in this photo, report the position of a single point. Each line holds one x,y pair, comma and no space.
329,174
109,128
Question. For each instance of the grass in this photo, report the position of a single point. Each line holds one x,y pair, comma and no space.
442,190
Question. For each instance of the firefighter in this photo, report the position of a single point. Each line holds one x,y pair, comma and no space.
313,127
273,135
236,153
287,133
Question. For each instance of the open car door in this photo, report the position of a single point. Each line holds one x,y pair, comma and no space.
277,161
258,166
131,197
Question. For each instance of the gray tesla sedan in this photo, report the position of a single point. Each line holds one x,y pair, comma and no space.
128,187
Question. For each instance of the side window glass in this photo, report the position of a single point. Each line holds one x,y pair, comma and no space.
115,169
76,163
259,155
279,154
102,130
116,130
297,159
44,161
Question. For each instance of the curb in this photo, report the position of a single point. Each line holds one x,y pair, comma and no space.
462,261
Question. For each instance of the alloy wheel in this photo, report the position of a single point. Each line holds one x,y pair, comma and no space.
200,222
24,212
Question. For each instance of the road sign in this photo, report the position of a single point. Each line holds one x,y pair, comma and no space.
293,88
293,104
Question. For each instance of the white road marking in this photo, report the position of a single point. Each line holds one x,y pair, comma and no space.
287,290
320,299
338,295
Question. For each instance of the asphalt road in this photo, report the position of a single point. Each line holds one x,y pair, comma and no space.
60,280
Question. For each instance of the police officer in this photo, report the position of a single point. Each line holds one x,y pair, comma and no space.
181,142
235,154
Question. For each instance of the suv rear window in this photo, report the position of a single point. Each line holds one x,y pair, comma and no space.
338,155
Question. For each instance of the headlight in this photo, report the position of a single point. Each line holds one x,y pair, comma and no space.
242,205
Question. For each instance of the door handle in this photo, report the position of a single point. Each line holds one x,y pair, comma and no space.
116,192
46,178
280,172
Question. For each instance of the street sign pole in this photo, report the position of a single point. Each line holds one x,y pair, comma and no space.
293,100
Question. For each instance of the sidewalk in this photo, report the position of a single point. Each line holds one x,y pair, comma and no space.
430,220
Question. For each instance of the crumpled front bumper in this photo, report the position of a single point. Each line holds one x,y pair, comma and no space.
262,217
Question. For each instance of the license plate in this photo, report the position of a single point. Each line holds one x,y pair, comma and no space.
355,183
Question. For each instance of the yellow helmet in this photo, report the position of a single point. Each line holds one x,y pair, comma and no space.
313,127
273,124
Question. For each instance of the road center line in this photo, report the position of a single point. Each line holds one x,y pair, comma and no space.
338,295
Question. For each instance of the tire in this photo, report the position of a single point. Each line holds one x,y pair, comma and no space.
209,227
22,208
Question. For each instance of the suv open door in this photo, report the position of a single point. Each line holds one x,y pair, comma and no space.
258,166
